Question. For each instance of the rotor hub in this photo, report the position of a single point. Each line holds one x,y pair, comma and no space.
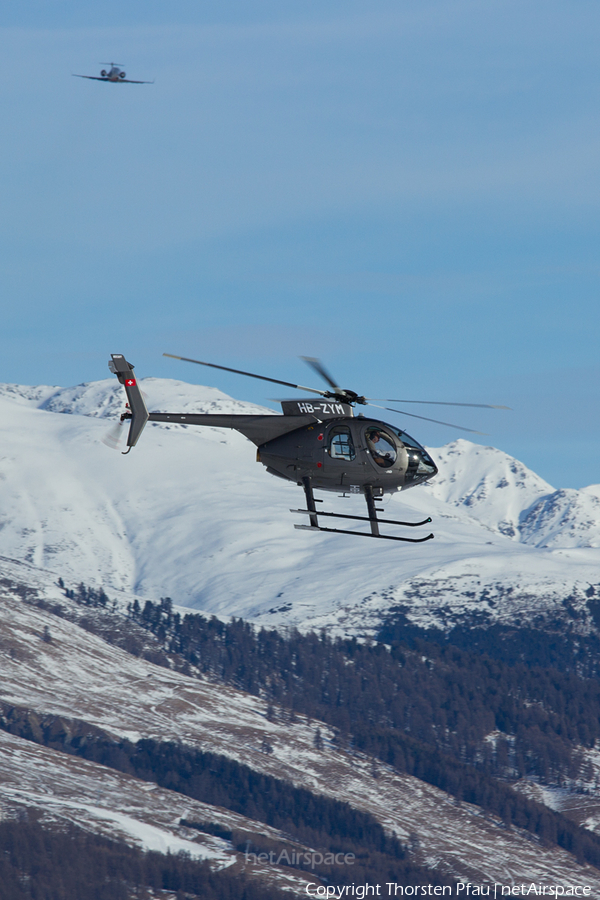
345,396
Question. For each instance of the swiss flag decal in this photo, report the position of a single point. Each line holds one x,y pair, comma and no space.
130,382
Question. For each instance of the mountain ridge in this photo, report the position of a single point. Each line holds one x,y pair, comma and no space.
190,514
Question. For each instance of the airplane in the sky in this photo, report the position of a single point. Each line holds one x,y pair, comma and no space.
114,74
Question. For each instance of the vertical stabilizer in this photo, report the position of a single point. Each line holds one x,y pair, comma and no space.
119,366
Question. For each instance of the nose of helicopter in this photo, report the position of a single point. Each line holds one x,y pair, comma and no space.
421,467
426,466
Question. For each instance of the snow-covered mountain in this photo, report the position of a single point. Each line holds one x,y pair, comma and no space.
189,514
509,498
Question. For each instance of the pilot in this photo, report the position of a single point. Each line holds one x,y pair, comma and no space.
381,449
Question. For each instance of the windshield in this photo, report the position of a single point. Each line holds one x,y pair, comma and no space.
406,439
420,464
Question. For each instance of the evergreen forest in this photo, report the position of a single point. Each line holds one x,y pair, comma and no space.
470,711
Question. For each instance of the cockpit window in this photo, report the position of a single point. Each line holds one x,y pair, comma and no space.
340,444
381,447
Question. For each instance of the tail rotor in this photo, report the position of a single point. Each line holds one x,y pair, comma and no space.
114,435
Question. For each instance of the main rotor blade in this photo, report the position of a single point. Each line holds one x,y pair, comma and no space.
298,387
318,366
425,419
441,403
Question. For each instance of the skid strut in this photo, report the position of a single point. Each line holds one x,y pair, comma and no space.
313,516
372,510
310,502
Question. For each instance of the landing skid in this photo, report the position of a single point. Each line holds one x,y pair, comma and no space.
313,514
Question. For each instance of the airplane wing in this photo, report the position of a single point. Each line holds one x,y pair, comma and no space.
113,80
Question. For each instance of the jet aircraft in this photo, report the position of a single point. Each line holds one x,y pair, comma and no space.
114,74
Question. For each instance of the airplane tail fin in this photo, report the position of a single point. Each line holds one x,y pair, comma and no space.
138,414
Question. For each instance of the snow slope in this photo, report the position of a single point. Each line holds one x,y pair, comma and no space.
77,675
190,514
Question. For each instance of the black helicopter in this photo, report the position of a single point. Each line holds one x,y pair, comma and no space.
317,444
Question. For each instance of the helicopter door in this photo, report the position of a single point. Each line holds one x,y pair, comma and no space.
381,447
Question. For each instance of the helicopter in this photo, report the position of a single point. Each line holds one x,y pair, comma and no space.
114,74
318,444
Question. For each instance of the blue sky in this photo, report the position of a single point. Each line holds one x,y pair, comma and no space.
409,190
